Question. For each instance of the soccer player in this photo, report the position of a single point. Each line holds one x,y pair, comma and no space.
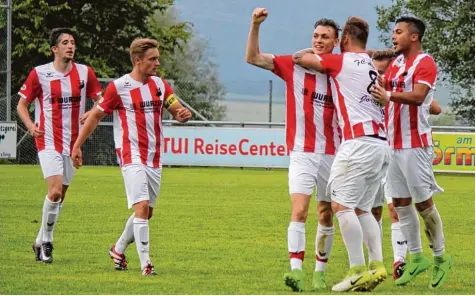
363,155
59,90
136,101
312,139
382,59
409,90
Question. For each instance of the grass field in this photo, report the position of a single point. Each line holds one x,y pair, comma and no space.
215,231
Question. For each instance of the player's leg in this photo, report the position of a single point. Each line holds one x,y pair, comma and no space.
399,243
397,188
51,163
301,184
154,177
347,185
377,207
325,228
377,164
422,186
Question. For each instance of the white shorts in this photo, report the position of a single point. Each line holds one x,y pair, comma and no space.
308,170
142,183
54,163
380,196
357,172
410,174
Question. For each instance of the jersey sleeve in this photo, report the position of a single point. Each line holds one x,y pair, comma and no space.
331,63
426,72
93,87
31,89
111,100
283,66
169,96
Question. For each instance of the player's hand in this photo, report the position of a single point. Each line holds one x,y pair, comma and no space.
299,54
381,81
83,118
183,115
380,94
35,131
259,15
77,157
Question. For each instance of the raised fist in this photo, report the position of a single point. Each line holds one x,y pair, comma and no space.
259,15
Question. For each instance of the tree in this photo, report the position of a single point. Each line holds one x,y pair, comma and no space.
104,32
450,40
194,75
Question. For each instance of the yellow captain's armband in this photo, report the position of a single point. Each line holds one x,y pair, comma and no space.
172,99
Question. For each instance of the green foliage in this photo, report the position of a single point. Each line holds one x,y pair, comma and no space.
449,39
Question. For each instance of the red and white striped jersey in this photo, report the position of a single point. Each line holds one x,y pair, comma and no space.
137,112
60,101
311,121
408,125
352,76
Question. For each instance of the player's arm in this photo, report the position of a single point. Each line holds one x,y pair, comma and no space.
106,105
175,108
29,92
435,108
253,56
309,61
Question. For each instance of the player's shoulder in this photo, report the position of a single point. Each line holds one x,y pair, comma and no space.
424,59
82,67
44,68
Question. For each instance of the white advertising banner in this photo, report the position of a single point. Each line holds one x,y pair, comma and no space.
8,140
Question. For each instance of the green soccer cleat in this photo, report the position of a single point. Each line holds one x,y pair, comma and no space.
440,271
378,274
418,264
319,281
294,280
357,279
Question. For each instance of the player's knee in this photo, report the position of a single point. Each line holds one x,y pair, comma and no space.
55,194
421,206
377,213
325,217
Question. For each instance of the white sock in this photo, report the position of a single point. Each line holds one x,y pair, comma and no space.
39,237
141,236
127,236
371,236
399,243
324,239
48,220
434,230
352,234
410,227
296,244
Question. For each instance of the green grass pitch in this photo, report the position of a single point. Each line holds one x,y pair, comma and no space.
214,231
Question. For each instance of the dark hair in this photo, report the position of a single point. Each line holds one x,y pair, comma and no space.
57,32
384,54
328,23
418,25
358,29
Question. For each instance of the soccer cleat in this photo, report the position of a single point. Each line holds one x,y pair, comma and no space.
440,270
46,252
294,280
37,250
120,262
149,269
319,281
418,264
378,274
357,279
398,269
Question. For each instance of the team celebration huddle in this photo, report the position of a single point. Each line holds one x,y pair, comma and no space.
357,129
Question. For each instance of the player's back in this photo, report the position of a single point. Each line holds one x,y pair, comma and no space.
353,75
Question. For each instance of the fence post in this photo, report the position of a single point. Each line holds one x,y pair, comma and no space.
270,111
9,60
